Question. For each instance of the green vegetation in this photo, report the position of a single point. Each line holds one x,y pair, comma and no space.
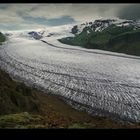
2,38
21,120
15,97
117,39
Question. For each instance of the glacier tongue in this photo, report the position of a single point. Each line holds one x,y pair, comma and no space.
98,81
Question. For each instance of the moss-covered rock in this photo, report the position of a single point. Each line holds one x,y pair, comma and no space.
2,38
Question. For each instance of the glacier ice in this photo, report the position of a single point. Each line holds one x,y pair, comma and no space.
100,82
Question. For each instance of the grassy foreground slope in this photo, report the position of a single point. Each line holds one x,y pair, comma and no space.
24,107
113,38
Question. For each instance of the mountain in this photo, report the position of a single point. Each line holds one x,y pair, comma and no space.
115,35
35,35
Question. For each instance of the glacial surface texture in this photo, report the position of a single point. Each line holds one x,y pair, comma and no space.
100,82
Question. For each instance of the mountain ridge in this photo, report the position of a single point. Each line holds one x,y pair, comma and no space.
120,36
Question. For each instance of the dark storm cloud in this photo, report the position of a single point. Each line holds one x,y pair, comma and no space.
130,12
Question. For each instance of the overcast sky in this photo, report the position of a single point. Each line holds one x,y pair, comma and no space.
32,16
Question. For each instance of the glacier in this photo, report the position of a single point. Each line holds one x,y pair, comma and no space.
100,82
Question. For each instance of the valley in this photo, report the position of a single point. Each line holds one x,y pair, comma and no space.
69,66
99,82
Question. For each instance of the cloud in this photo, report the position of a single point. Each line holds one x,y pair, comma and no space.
31,15
130,12
3,6
79,12
50,22
7,16
13,27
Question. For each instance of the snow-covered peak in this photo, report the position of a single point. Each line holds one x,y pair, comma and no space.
30,34
58,31
72,29
101,24
36,35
